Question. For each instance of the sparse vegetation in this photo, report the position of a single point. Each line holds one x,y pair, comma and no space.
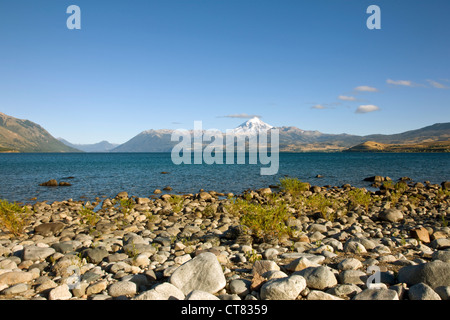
89,216
326,206
176,202
444,221
360,197
126,205
252,256
266,222
401,186
13,217
293,185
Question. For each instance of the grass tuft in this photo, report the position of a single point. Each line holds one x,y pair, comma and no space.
13,217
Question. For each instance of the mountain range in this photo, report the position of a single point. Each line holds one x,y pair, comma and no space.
18,135
293,139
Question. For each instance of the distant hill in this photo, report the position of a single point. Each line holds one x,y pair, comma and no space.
18,135
435,132
103,146
371,146
148,141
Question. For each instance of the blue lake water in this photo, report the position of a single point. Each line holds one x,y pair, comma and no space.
106,174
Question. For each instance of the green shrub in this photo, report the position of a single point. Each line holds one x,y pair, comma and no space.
401,186
126,205
293,185
388,184
89,216
176,202
360,197
318,202
13,217
266,222
236,206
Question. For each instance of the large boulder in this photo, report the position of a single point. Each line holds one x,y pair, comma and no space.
203,272
287,288
35,253
320,278
163,291
50,228
391,215
376,294
435,273
421,291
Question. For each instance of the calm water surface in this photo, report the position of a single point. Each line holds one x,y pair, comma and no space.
106,174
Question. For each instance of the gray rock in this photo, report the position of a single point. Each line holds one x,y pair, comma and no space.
201,295
8,264
133,238
320,295
440,244
349,264
317,227
100,297
201,273
344,290
262,266
300,264
241,287
47,229
15,277
228,297
283,288
443,292
391,215
64,266
376,294
421,291
96,287
61,292
134,249
95,255
16,289
163,291
320,278
140,279
443,255
400,288
435,274
35,253
354,247
270,254
65,247
352,277
122,288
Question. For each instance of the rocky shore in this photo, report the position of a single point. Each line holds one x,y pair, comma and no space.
331,243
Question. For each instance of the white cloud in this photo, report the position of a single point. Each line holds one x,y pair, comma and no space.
366,89
318,106
241,116
406,83
437,84
347,98
367,108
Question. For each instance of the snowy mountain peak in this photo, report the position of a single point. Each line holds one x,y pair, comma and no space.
254,125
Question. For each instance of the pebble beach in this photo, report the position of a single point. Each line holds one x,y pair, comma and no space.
212,246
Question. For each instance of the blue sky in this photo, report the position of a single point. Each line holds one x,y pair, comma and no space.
139,65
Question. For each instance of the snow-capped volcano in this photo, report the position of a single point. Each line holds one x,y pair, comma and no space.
254,125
